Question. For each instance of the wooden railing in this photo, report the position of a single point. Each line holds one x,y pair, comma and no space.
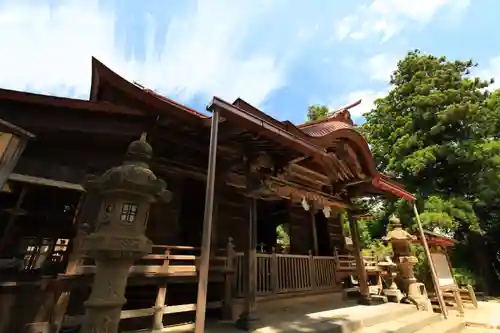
165,260
325,272
347,262
182,264
286,273
276,274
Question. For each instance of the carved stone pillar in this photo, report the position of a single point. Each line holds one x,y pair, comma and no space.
400,241
118,239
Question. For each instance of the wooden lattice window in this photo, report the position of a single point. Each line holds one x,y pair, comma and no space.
36,252
60,249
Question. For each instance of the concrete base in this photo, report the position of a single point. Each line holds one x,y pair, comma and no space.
365,300
352,318
422,303
379,299
372,300
393,295
37,328
247,322
272,303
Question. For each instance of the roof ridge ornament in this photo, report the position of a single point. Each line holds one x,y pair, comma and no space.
395,221
341,114
139,150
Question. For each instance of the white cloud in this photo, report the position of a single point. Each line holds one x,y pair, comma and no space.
386,18
48,50
491,71
367,97
380,66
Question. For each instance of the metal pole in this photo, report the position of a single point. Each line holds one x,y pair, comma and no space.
201,302
435,279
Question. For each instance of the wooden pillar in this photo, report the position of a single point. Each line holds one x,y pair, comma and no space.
14,213
360,265
227,310
220,177
161,298
291,234
201,300
214,244
248,318
312,212
85,219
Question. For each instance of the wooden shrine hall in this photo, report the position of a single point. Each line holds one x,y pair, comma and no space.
268,173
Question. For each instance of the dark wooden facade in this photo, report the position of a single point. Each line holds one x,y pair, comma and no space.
326,163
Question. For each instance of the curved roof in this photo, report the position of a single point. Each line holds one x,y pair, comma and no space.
434,238
322,133
103,77
340,126
112,94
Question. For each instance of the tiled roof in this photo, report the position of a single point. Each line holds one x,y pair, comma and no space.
325,128
340,119
171,101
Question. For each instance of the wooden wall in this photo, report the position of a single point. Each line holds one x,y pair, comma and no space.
163,225
300,230
232,218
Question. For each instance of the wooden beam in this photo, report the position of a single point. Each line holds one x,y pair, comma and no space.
75,122
71,105
264,127
227,131
6,237
318,177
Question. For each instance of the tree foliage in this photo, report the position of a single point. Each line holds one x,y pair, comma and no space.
316,112
438,132
282,237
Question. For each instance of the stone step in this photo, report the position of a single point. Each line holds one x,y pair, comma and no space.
450,325
350,319
409,323
479,330
355,318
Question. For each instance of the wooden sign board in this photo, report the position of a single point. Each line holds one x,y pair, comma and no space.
443,272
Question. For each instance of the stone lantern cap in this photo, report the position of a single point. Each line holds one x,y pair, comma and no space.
134,175
397,232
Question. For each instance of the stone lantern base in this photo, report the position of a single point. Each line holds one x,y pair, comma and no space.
417,294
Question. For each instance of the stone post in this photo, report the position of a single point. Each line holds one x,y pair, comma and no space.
400,241
118,240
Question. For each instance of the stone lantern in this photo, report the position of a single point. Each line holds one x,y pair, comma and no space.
400,241
119,236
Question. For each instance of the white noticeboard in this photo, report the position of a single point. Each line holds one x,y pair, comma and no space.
443,270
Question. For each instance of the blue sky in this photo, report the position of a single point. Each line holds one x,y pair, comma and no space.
281,55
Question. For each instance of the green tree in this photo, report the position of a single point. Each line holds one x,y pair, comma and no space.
316,112
282,237
437,131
